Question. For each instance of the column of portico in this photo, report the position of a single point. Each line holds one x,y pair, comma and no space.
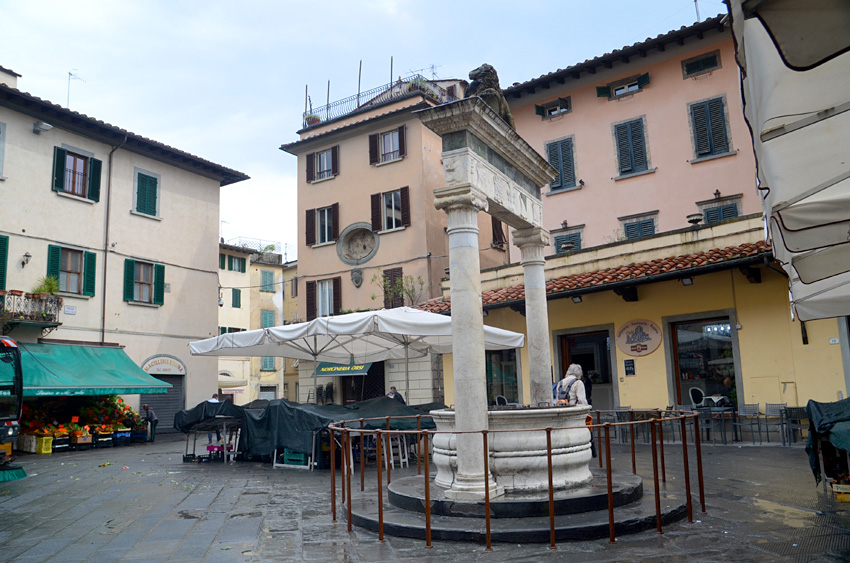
531,242
462,204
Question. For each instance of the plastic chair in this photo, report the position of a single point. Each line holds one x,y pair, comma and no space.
774,417
622,415
697,396
668,425
796,418
501,401
748,415
708,423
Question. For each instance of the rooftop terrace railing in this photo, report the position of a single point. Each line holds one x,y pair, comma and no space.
377,96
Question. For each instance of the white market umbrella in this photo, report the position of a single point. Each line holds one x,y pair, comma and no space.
369,336
795,58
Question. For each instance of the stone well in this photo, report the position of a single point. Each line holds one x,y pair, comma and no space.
518,460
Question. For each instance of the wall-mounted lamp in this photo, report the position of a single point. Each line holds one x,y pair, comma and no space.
576,298
26,259
581,182
220,300
40,126
687,281
564,223
716,194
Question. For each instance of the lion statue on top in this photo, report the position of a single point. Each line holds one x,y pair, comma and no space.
485,85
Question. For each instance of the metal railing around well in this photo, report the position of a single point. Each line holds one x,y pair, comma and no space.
653,419
377,96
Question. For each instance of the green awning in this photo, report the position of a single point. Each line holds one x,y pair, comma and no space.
330,370
55,370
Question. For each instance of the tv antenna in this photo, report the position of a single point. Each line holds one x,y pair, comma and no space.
431,68
71,76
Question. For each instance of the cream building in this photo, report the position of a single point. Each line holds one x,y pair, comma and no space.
127,224
234,278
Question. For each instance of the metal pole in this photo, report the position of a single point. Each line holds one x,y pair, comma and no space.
632,434
551,491
348,467
487,489
661,441
599,438
378,440
611,537
344,467
655,480
418,451
427,495
698,443
687,471
389,451
362,457
333,476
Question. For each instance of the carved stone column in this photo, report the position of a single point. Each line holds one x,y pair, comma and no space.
531,242
462,204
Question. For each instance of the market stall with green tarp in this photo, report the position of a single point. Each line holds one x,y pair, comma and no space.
54,370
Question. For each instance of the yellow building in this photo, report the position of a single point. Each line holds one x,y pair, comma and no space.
234,315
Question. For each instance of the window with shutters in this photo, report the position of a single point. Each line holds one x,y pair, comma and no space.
391,210
236,301
393,288
236,263
146,191
638,229
4,259
708,123
624,87
324,225
701,64
388,146
722,213
322,165
266,321
77,173
267,280
629,138
222,261
561,106
75,269
568,242
144,282
324,298
293,287
560,155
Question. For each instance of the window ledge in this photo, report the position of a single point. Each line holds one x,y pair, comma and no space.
562,190
321,244
145,215
75,197
67,294
141,304
383,162
320,180
3,178
713,156
633,174
387,231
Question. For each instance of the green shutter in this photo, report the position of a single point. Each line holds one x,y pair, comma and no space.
568,176
643,80
647,227
603,91
267,319
89,273
158,284
141,190
59,169
268,363
93,191
146,194
555,161
4,258
236,301
624,153
638,146
129,278
719,143
540,110
153,193
54,258
223,330
230,261
242,263
702,141
267,281
222,260
574,238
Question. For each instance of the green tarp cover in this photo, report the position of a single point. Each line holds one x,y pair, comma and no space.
54,370
828,419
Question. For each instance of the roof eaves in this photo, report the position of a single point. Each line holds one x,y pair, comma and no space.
99,130
623,54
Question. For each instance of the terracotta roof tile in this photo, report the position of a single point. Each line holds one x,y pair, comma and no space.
598,278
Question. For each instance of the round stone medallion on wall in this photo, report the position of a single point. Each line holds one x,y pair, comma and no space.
357,244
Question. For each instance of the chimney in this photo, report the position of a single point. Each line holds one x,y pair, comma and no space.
9,77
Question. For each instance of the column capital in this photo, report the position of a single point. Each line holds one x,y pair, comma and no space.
449,197
531,236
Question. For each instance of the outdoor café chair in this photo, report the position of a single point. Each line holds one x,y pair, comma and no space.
774,417
668,424
622,415
796,418
708,423
697,396
749,416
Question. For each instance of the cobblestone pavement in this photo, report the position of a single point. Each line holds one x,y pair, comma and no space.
142,502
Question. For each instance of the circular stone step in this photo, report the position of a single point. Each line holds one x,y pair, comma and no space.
408,493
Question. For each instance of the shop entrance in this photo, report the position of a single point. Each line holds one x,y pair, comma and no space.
592,351
703,358
361,387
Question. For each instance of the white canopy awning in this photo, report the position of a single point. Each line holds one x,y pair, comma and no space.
795,58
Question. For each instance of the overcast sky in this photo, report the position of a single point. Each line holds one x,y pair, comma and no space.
225,80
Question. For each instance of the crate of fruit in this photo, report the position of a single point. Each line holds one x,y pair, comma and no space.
44,445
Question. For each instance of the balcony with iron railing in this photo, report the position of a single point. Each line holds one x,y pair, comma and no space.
29,309
375,97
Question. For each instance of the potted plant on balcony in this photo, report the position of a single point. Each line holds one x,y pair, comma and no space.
46,286
312,119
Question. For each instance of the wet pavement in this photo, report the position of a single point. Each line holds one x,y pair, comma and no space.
143,503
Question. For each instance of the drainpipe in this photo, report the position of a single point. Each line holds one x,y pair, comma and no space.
106,241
